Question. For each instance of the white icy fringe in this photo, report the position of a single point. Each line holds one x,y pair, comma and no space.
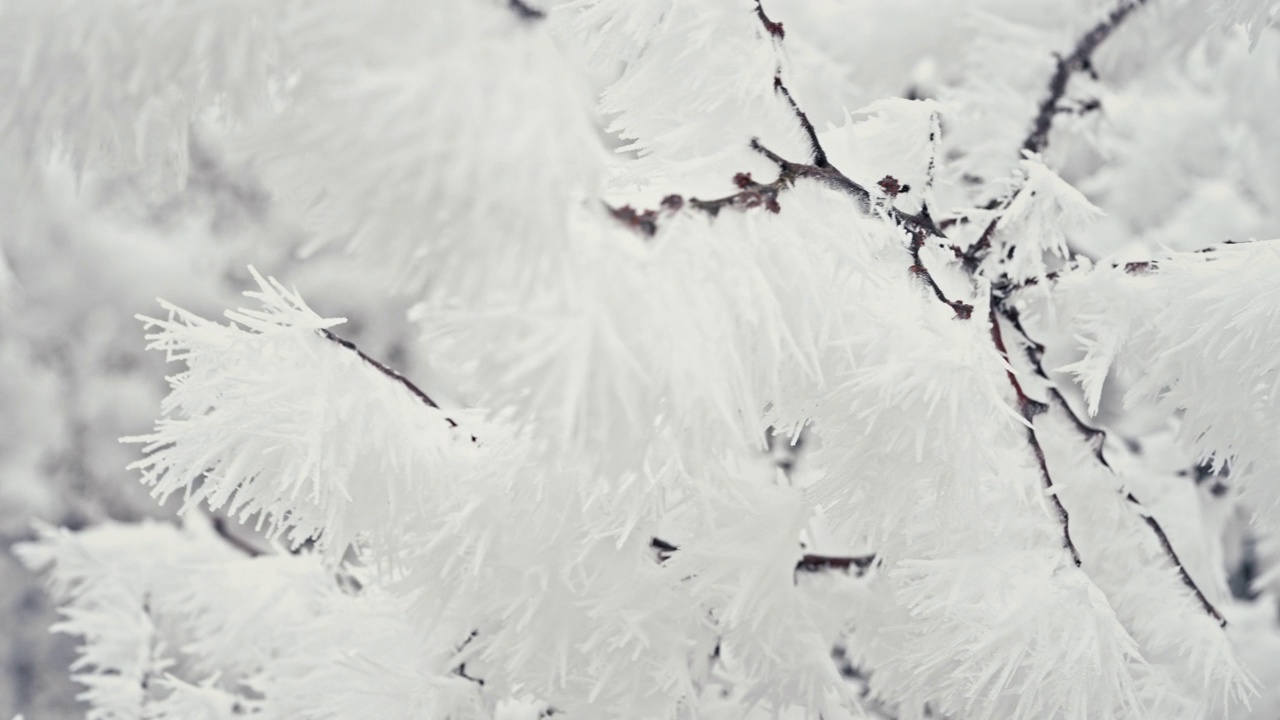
160,641
997,84
1204,328
1045,211
696,79
272,419
1254,15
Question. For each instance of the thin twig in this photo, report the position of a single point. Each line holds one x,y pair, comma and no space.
963,310
752,194
773,28
461,669
663,548
220,527
809,563
525,11
920,226
382,368
644,222
819,168
1078,60
1037,138
819,563
1096,437
1173,554
819,155
1034,352
1030,409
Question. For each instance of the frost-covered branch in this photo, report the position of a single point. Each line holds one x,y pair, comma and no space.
1076,61
819,563
1037,137
773,28
1096,438
1034,353
526,11
808,563
752,194
824,172
382,368
819,157
219,526
1218,312
963,310
819,167
1167,547
1029,409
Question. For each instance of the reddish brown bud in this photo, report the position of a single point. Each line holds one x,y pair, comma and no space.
891,187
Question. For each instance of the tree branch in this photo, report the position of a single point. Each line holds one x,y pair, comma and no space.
1037,138
525,11
220,527
920,226
461,669
1078,60
771,27
1030,409
382,368
1096,438
1177,562
963,310
819,154
819,168
1034,352
806,564
820,563
752,194
664,549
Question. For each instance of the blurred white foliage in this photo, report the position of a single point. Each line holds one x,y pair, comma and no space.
141,70
1255,15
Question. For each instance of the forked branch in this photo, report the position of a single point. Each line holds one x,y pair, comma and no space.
1096,438
1030,409
1078,60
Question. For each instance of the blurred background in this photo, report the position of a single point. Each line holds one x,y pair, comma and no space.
85,256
